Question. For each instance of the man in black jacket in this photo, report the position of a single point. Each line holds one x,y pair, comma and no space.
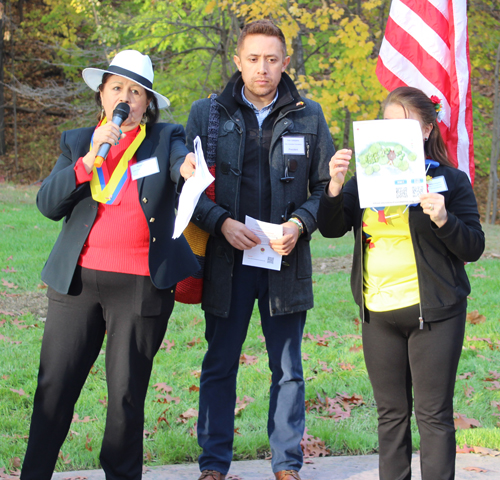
273,149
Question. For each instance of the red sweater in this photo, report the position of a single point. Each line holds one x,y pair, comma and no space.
119,238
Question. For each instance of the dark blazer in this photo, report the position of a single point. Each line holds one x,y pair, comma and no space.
59,198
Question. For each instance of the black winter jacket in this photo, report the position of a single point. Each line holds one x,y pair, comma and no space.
440,253
290,290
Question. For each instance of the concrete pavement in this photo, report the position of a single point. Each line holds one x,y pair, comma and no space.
362,467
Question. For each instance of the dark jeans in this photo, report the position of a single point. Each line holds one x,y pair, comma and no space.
225,337
399,356
73,336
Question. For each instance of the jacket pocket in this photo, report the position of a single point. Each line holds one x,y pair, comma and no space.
304,262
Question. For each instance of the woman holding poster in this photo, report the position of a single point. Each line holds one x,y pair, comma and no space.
409,280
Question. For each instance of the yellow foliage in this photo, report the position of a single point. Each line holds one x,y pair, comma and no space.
210,6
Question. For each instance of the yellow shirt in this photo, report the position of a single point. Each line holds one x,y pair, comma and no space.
390,273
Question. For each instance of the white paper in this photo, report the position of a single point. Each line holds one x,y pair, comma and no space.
191,190
390,163
263,255
144,168
293,145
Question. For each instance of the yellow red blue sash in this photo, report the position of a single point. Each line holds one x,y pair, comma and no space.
105,188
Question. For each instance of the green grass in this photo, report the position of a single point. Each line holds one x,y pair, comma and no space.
28,237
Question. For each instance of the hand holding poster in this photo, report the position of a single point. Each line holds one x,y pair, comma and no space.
390,163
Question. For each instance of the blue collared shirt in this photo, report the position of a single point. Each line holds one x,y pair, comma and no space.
264,112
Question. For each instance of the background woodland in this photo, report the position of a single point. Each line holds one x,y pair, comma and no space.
45,44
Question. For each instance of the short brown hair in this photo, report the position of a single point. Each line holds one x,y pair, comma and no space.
261,27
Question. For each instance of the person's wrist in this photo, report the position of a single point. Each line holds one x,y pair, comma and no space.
299,224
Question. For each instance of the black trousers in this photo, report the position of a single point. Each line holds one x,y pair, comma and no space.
135,315
399,356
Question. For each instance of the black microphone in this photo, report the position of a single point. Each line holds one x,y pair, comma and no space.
120,114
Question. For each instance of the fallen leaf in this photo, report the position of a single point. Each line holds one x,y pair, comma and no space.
166,397
196,373
484,358
324,367
64,458
162,387
194,388
7,284
190,413
465,376
356,348
15,462
313,446
9,270
494,386
242,403
248,359
346,366
305,356
193,431
167,345
475,469
86,419
195,321
461,421
468,391
478,339
19,392
486,451
474,317
193,342
465,449
87,443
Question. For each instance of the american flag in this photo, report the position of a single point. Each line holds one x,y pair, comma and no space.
426,46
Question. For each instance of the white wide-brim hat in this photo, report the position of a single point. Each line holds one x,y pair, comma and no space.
129,64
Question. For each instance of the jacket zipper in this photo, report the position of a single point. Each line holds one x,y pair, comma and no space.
260,172
362,267
421,317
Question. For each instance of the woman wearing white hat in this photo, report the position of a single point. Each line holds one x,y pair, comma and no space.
113,268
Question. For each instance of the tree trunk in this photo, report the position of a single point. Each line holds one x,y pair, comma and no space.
20,10
492,203
2,98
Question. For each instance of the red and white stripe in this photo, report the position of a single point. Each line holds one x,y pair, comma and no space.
426,46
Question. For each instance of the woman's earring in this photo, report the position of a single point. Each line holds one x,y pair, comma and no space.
144,118
102,114
425,139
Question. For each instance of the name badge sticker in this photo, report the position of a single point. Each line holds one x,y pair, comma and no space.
437,184
145,168
294,145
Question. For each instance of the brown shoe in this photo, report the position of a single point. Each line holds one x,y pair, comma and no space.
287,475
211,475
